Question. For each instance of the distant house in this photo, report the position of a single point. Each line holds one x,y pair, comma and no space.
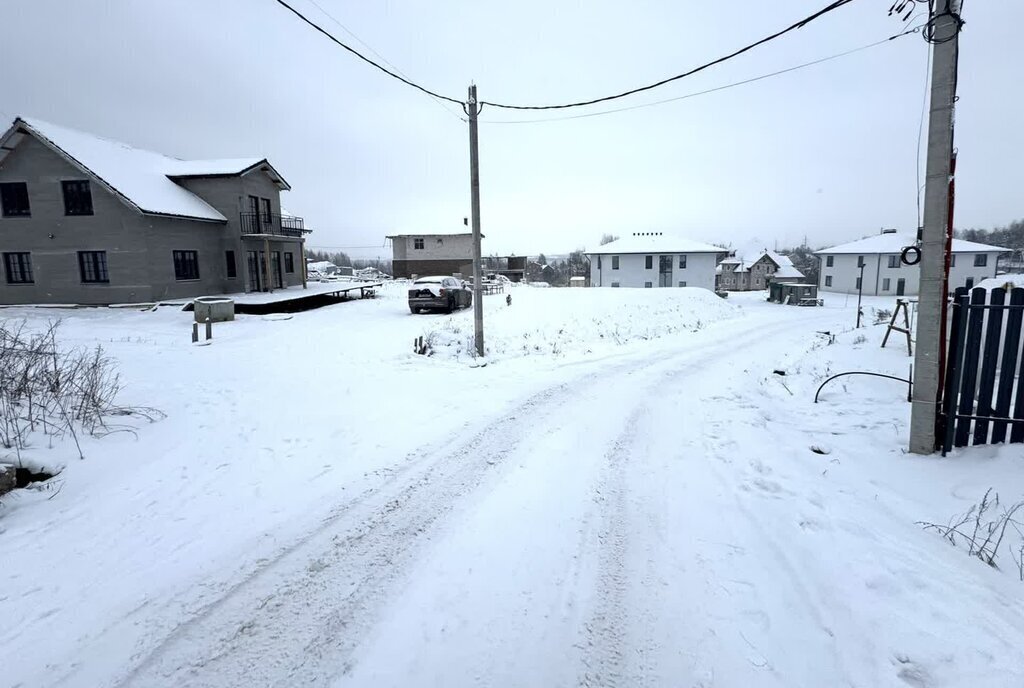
416,255
884,273
740,273
653,259
87,220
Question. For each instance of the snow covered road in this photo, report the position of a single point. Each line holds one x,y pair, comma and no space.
652,517
509,543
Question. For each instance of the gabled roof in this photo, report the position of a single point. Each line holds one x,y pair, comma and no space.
895,242
142,179
655,242
788,271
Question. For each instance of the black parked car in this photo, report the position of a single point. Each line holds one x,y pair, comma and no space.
439,293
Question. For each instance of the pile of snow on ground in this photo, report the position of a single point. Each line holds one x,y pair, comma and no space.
558,322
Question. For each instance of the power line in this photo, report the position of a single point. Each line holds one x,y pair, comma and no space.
344,248
710,90
378,55
920,131
793,27
362,57
836,4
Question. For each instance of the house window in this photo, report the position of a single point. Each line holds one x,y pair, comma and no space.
229,259
599,262
19,268
77,197
615,262
289,262
969,283
860,261
417,243
682,284
857,286
829,260
828,280
92,265
615,284
186,265
648,285
265,212
682,262
14,199
894,261
980,260
885,284
952,260
649,262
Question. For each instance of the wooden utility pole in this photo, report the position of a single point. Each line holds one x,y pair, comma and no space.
942,31
474,186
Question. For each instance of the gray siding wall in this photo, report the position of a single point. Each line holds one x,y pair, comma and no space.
139,247
457,247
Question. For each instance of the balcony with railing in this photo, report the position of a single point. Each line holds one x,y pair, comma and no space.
273,225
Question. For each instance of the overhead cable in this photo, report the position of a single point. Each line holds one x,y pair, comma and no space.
706,91
793,27
836,4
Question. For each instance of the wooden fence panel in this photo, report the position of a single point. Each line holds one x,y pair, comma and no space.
1008,373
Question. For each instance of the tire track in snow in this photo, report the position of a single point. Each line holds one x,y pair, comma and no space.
604,641
289,624
297,618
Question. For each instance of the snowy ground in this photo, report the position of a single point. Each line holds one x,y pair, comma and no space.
625,494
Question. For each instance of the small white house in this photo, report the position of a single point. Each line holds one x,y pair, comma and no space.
884,274
654,259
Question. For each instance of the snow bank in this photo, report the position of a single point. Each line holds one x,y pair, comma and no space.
560,322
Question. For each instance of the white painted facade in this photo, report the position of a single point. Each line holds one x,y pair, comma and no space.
886,275
632,270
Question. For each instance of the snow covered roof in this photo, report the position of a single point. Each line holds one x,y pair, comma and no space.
655,242
788,271
780,260
142,179
894,242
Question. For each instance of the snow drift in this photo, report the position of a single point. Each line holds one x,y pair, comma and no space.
576,321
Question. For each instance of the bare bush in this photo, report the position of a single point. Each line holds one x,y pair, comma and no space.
882,316
56,393
982,528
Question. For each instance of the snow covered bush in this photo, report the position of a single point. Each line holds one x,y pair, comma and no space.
53,393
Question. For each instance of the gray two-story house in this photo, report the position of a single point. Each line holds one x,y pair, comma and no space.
86,220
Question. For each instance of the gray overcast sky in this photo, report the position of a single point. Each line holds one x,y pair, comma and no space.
827,151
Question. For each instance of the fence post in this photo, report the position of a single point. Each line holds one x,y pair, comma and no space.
954,368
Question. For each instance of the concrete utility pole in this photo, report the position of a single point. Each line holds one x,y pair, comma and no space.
943,32
474,186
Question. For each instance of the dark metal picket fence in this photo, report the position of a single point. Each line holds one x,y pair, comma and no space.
983,399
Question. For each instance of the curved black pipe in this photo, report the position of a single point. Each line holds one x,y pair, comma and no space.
860,372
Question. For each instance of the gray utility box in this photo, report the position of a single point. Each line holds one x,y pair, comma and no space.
217,309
